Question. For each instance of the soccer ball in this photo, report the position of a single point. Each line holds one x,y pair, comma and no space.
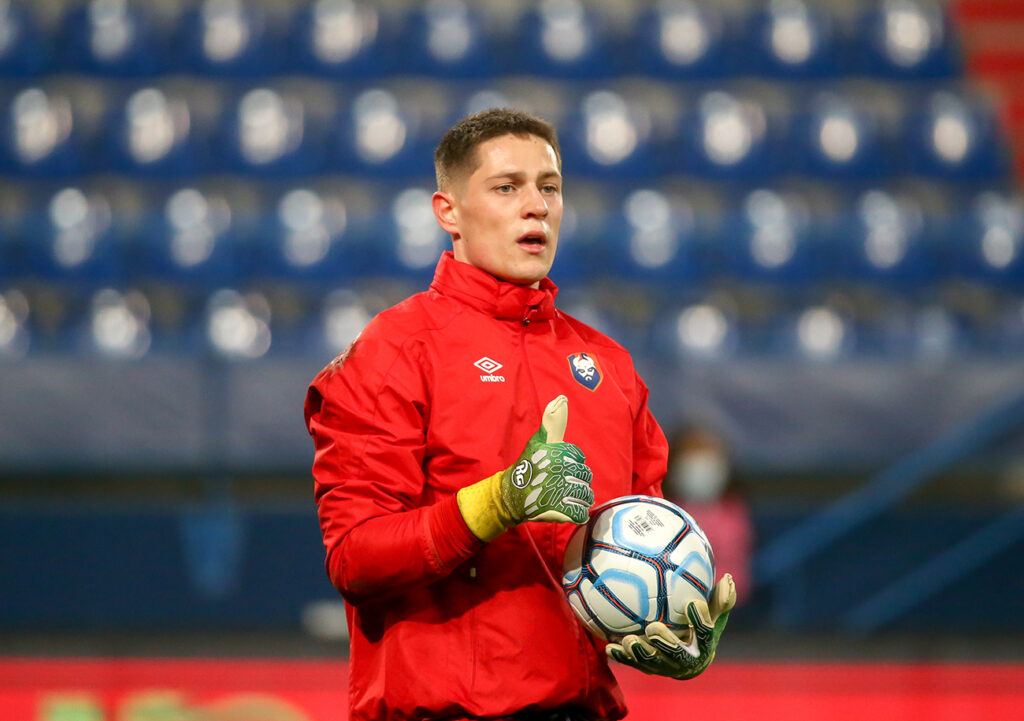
639,559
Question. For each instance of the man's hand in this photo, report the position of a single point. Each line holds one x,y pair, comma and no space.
549,482
685,654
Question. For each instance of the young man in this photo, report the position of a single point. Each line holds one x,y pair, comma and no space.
436,445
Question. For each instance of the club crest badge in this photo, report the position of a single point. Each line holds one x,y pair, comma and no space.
585,370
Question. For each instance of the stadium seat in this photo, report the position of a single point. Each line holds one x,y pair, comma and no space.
446,39
343,39
191,242
792,38
728,136
653,238
560,39
340,316
770,237
816,332
112,37
987,240
700,329
835,137
607,137
153,132
236,325
887,240
269,131
115,325
228,38
71,237
954,136
311,237
683,39
383,134
411,241
42,134
24,47
906,39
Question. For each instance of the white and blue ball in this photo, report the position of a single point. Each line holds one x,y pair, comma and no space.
639,559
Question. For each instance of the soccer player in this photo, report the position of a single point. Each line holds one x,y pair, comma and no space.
446,493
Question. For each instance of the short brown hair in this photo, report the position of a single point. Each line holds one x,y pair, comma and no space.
457,150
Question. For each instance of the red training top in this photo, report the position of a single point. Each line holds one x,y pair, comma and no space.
438,392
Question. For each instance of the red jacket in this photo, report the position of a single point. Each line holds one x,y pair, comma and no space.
438,392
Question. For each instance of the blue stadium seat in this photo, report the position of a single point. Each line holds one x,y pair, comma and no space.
954,136
42,134
153,132
987,240
228,38
653,238
382,135
887,240
343,39
191,242
606,137
560,39
727,136
446,39
112,37
115,325
410,240
72,237
683,39
771,237
582,235
271,132
340,316
313,237
700,329
792,38
24,47
814,332
834,137
236,325
907,39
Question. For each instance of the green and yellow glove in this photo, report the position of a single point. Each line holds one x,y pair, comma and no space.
685,654
550,482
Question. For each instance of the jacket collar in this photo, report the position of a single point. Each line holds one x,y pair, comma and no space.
498,298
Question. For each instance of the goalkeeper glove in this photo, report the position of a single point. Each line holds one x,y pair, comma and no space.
549,482
684,654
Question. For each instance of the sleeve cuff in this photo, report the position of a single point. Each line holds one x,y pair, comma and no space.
449,540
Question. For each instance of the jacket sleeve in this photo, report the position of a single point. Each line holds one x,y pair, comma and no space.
650,448
367,413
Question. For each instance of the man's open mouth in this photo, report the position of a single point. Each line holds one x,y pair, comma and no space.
533,240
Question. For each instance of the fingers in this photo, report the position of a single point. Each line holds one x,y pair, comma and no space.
555,419
671,643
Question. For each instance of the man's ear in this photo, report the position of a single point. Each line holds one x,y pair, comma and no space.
444,210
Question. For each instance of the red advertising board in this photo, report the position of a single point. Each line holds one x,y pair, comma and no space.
33,689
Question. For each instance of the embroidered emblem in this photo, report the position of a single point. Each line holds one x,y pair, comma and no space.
585,370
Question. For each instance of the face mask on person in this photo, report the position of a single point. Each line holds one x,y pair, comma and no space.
699,476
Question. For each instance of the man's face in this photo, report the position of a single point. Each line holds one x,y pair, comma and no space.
504,217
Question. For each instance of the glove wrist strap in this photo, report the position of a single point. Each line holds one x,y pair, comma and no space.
483,509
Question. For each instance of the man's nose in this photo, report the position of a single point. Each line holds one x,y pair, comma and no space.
535,205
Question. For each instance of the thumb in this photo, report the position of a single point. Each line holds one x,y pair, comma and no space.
555,418
723,596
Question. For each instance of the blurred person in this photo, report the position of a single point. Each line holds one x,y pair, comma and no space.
702,480
433,439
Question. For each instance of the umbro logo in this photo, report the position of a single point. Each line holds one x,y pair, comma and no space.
489,366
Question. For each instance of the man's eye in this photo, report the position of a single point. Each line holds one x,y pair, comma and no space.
550,188
506,188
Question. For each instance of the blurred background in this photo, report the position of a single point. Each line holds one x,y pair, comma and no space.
803,217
